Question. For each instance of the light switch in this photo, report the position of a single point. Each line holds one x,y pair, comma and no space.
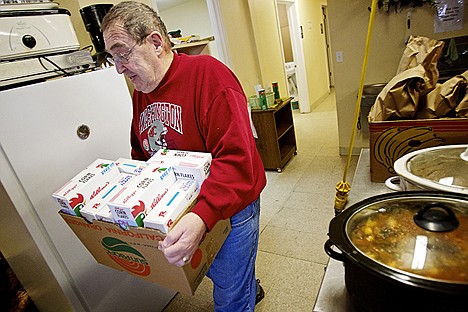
339,56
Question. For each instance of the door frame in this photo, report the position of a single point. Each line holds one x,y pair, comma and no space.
217,25
326,33
296,32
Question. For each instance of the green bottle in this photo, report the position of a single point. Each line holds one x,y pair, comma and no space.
263,101
276,90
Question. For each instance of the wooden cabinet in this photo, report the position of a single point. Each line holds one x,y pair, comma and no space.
276,141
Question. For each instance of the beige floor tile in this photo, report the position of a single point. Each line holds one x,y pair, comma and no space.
203,296
178,305
295,244
279,301
289,283
310,201
267,212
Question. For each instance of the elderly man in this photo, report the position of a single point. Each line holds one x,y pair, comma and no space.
194,103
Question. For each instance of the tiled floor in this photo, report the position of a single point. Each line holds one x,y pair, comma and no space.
296,207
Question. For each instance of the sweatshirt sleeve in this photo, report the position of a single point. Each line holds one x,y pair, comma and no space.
237,175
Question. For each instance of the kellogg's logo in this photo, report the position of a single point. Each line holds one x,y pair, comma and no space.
126,256
77,203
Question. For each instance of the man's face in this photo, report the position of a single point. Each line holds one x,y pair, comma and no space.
141,63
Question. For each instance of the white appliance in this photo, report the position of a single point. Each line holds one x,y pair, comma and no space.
38,41
41,148
35,31
290,69
28,70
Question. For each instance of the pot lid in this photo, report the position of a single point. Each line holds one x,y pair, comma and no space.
437,168
416,233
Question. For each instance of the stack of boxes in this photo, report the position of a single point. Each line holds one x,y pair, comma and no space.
125,191
121,209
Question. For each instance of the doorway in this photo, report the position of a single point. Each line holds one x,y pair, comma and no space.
289,64
291,41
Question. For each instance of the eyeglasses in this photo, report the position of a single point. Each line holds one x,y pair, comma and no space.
121,58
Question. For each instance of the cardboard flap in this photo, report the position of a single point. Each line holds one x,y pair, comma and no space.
136,252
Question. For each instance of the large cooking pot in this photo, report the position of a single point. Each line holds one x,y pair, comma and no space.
439,168
404,251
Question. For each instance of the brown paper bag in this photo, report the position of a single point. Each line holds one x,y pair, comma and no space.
400,97
461,110
422,51
442,101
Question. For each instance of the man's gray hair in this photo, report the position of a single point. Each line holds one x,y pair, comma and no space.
138,19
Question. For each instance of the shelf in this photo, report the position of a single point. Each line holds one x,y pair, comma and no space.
287,150
193,48
283,129
276,141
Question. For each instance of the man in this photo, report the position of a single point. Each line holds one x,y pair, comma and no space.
194,103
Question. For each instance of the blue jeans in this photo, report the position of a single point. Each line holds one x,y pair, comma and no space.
233,270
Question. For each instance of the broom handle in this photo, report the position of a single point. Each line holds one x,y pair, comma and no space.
361,87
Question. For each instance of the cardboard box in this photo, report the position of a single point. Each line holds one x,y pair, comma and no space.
187,165
136,252
390,140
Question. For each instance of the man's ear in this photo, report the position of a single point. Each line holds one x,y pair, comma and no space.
155,39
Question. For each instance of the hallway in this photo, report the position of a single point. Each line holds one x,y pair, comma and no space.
296,207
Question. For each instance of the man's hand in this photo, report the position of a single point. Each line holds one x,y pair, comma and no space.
183,240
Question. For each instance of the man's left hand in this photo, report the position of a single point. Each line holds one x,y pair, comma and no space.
183,240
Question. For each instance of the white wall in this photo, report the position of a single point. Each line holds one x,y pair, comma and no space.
191,18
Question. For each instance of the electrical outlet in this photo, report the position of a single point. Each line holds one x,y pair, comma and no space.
339,56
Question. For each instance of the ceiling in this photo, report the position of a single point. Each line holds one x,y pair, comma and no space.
168,4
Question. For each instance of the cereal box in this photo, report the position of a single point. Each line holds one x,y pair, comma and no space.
99,203
187,165
85,186
131,166
173,204
131,205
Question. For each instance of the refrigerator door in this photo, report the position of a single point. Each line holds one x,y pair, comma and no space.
41,149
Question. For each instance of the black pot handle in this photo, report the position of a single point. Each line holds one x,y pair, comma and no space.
332,253
436,217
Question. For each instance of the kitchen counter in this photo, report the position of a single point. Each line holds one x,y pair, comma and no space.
332,296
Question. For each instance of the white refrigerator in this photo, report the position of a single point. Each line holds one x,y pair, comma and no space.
43,144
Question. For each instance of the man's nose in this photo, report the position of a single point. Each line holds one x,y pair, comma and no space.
119,67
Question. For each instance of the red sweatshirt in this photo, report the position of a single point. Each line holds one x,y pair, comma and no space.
200,106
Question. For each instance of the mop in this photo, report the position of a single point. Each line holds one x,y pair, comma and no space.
343,187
